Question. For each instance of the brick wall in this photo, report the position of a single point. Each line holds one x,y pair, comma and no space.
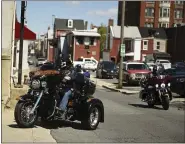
94,51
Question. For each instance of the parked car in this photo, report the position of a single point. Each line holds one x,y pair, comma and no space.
82,61
106,69
177,80
89,65
165,63
41,61
134,71
179,65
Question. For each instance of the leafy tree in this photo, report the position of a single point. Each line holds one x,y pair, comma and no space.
102,30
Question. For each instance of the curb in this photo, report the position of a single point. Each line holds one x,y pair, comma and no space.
123,92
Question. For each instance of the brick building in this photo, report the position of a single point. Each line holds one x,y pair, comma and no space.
152,13
61,27
83,44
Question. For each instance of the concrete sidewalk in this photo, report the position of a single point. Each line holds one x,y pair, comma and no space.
112,87
11,133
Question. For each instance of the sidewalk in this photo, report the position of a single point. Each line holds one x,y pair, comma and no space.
11,133
112,87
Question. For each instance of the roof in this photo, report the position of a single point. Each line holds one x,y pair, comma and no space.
85,33
61,24
28,34
146,32
129,32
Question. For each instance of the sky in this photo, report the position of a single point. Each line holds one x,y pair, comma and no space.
39,13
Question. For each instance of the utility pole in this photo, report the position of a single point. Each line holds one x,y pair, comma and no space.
121,43
23,6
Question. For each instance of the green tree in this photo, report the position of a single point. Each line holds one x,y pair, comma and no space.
102,30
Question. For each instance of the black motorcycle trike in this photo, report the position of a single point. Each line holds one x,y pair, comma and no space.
44,96
156,91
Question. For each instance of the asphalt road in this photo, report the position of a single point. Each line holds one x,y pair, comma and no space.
127,119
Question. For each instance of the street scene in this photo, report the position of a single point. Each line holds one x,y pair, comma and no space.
114,74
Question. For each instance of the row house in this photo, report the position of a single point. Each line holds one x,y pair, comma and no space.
139,42
84,43
61,28
153,39
132,40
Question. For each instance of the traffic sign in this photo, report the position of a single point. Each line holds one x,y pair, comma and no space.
122,51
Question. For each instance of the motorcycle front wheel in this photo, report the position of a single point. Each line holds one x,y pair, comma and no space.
165,102
22,116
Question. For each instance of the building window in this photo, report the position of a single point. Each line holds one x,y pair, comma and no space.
158,46
149,12
164,12
178,2
128,46
163,25
145,44
92,41
70,23
178,13
79,40
164,1
149,25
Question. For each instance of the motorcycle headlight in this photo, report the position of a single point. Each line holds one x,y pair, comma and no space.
163,85
132,75
35,84
43,84
169,84
156,85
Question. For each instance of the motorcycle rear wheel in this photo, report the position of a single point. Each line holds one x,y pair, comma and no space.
20,112
92,123
165,102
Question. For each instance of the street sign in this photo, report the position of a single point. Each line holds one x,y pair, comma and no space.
122,51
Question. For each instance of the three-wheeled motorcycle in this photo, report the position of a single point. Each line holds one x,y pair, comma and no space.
44,96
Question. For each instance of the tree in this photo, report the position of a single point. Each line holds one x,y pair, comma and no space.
102,30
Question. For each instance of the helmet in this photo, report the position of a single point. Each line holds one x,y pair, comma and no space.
78,68
154,69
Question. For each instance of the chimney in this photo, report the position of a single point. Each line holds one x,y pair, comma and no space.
91,27
110,22
86,24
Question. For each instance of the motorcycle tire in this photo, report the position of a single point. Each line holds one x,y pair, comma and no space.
88,124
165,102
18,118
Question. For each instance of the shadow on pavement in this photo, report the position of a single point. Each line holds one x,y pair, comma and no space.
126,85
16,126
59,124
145,106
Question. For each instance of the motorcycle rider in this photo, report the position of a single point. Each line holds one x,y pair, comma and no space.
68,94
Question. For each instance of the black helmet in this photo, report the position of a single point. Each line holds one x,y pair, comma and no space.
154,69
78,68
